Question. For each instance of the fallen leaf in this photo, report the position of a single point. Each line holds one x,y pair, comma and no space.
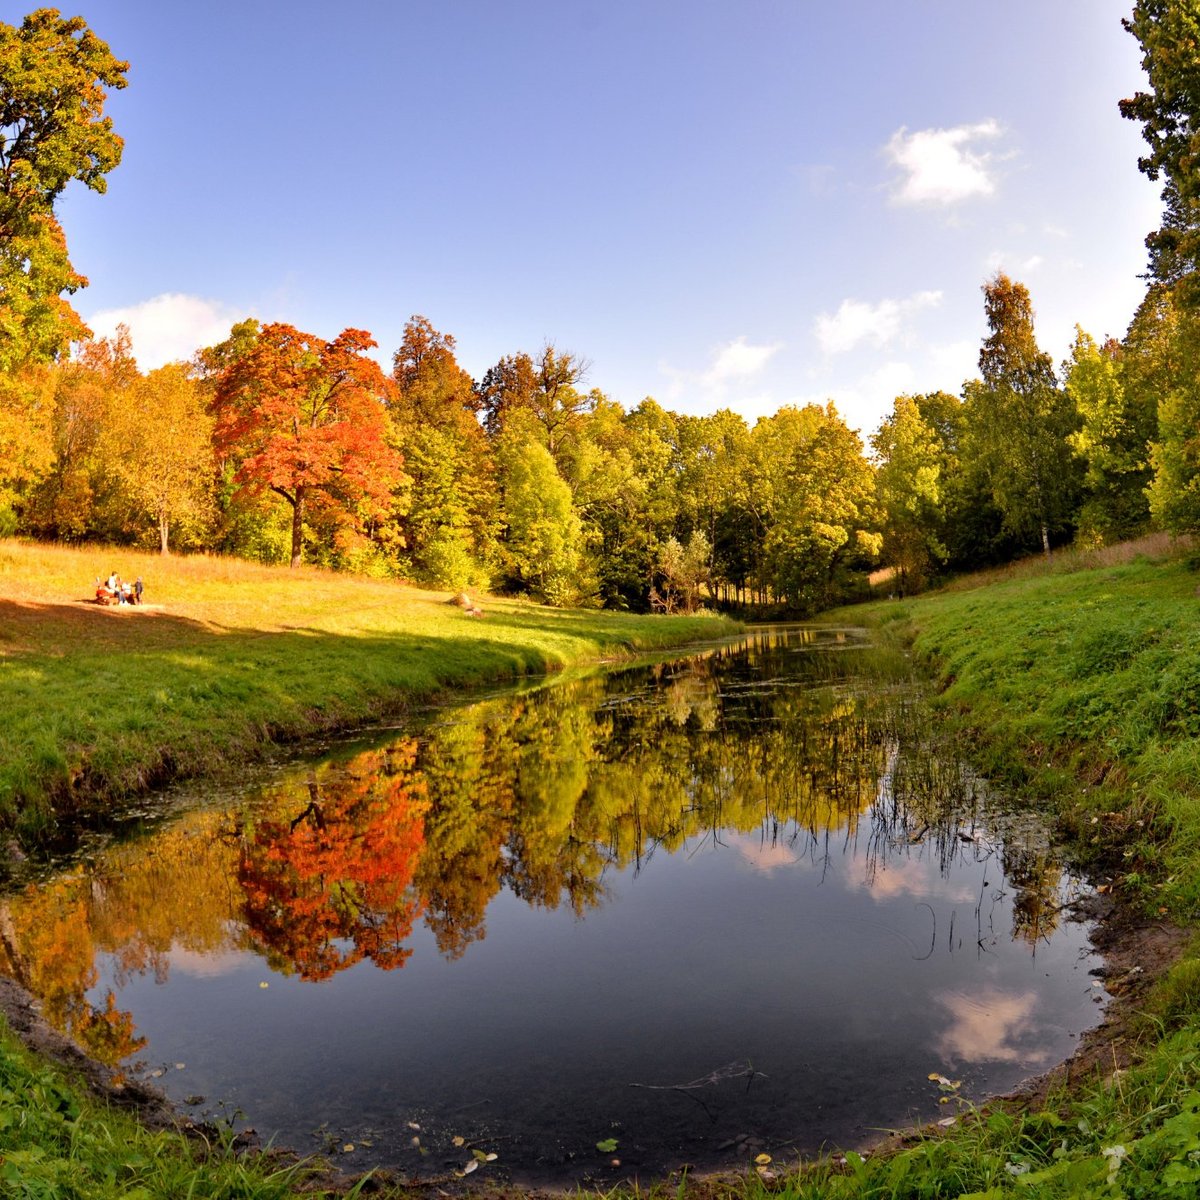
458,1141
180,1066
414,1125
479,1156
946,1122
491,1157
347,1147
763,1159
471,1166
264,984
607,1146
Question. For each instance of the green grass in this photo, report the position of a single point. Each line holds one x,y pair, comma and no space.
226,657
57,1144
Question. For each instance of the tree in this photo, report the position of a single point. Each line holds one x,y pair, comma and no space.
816,502
305,419
909,483
1113,438
158,442
53,75
451,527
1021,419
1169,33
542,527
75,497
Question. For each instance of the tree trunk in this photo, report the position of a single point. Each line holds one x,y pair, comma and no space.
1045,540
164,526
297,526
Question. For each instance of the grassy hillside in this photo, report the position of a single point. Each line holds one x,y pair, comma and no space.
226,655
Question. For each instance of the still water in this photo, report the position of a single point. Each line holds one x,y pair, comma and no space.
680,913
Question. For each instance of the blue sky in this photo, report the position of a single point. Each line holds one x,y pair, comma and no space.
741,204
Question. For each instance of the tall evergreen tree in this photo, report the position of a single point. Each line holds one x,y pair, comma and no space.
1020,419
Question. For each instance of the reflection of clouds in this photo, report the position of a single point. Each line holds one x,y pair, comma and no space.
206,966
911,877
987,1025
760,855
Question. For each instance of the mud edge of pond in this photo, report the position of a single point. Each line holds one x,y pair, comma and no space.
1137,951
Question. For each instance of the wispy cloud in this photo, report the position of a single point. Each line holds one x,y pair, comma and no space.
856,322
732,363
999,260
168,328
943,166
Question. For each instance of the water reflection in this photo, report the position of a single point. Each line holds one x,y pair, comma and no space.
656,797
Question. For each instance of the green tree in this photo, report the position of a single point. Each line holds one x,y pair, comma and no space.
816,499
1020,419
909,482
542,528
451,527
1169,33
1112,440
53,74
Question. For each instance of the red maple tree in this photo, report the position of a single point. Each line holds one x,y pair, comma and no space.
305,418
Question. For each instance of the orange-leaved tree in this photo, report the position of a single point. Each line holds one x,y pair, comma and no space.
305,418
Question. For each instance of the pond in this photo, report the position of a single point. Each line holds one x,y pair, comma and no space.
681,913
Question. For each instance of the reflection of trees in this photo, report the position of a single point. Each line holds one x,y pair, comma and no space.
541,793
332,884
138,901
46,945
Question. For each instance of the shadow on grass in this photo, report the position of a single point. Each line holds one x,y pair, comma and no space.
102,704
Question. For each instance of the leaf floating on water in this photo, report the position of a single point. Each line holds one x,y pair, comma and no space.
615,1162
348,1148
416,1142
491,1157
480,1156
763,1159
946,1122
414,1125
458,1141
471,1166
180,1066
264,984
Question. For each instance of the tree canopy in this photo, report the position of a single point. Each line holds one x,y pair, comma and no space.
54,72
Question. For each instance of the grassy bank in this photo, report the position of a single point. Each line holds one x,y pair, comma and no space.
226,656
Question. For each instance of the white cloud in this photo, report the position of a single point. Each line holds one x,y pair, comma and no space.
732,363
739,360
168,328
856,321
999,260
952,363
942,166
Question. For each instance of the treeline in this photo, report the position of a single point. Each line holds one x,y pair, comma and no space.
279,446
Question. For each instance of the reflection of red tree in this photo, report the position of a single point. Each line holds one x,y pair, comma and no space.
334,884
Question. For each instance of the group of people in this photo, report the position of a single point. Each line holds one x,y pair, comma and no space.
114,591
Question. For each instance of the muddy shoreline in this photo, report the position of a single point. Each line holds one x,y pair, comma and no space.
1136,952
